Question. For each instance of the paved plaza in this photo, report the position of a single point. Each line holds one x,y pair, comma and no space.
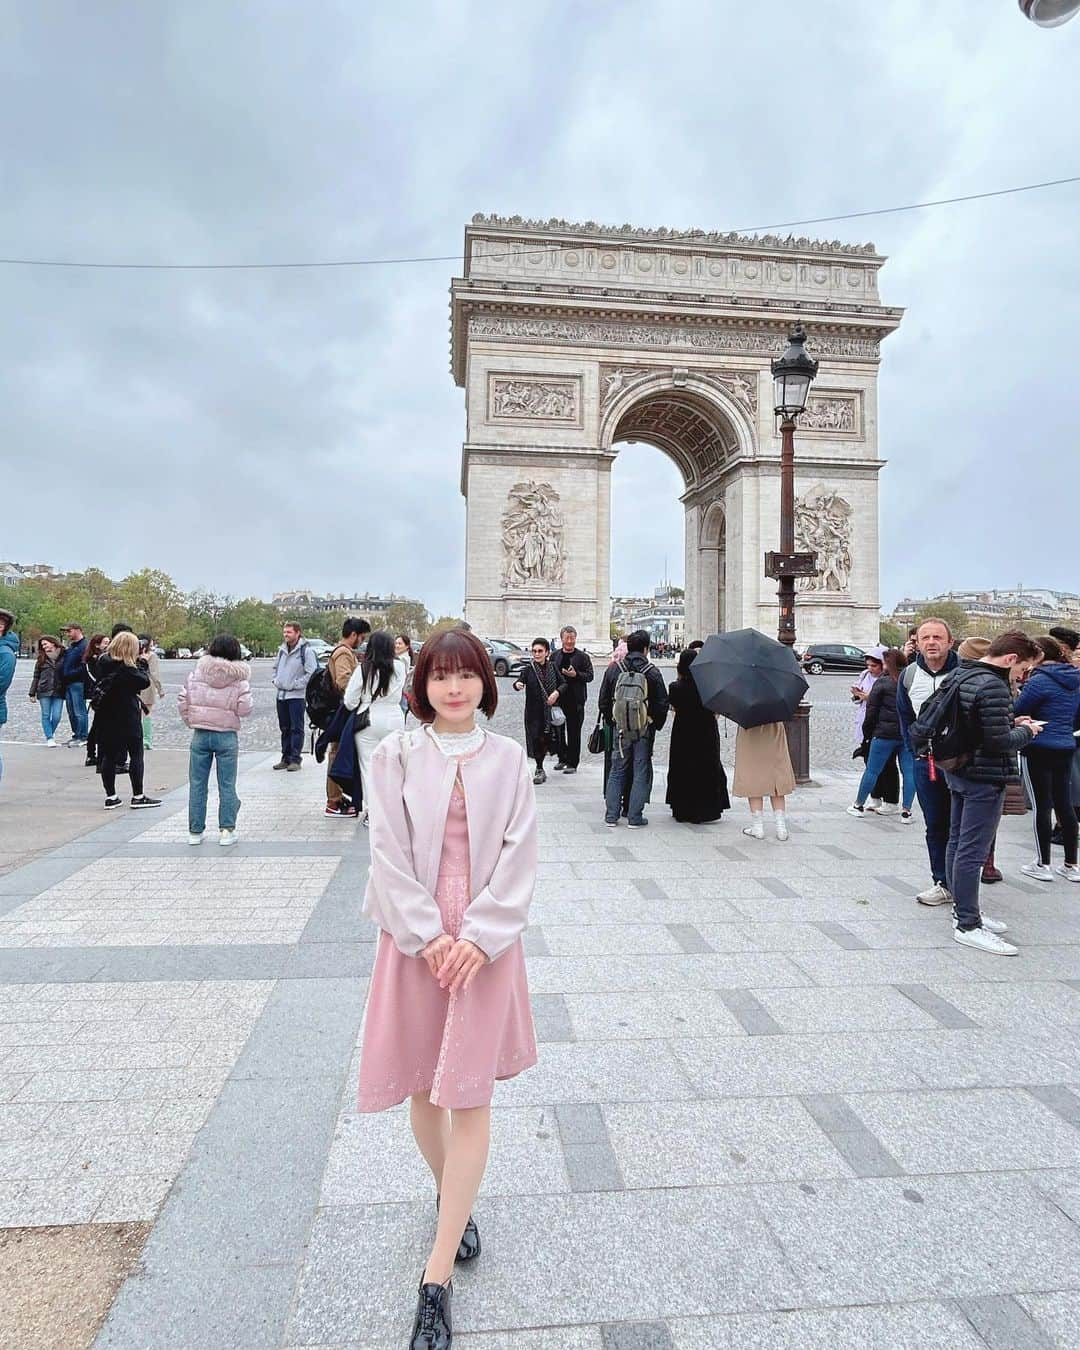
776,1105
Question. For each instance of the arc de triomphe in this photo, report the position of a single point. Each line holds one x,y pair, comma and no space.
572,339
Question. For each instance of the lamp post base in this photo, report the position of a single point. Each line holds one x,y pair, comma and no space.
798,740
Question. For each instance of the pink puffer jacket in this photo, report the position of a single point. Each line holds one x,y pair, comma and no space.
217,694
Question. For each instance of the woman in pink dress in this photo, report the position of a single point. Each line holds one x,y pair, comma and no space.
453,867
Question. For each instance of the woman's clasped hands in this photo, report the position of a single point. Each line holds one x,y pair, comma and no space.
452,963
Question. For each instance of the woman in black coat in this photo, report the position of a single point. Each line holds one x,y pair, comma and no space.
696,782
121,678
543,687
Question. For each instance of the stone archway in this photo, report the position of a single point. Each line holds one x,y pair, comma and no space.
572,339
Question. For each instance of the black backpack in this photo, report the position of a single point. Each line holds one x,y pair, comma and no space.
100,691
322,698
942,731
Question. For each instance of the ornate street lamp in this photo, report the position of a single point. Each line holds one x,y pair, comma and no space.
792,374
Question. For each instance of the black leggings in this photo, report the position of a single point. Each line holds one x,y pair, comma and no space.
1046,774
130,749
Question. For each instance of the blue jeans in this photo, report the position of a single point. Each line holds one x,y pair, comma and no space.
51,709
206,746
880,752
936,808
290,717
975,816
639,755
77,714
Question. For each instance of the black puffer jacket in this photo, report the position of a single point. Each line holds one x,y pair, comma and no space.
986,699
882,716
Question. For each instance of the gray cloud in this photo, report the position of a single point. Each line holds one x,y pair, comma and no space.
252,431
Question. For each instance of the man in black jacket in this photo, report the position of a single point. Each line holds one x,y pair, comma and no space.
73,674
576,669
977,786
635,757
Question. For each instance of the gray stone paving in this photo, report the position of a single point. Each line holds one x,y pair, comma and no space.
776,1106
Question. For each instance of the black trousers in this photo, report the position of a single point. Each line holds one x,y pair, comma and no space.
575,717
1047,774
130,749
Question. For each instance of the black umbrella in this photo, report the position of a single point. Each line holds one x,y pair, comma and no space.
751,678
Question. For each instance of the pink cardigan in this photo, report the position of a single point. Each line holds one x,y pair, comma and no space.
408,817
216,695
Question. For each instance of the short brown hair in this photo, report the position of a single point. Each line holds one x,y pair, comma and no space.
894,662
454,650
1014,643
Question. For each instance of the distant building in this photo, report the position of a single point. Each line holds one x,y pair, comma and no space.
11,574
373,608
662,615
1029,602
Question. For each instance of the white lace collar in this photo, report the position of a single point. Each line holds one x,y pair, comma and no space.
454,744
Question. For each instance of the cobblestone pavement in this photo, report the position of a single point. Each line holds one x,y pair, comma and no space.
831,717
776,1105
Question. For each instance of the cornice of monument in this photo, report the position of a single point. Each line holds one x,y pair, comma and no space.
666,235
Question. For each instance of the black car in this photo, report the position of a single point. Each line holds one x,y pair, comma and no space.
835,656
507,658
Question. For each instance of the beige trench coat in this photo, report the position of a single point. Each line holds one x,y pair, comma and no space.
762,762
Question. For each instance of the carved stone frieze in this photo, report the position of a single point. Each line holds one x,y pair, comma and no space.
615,379
741,385
823,526
590,227
534,398
835,414
532,536
676,337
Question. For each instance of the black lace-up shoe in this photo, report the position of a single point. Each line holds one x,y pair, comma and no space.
432,1329
469,1246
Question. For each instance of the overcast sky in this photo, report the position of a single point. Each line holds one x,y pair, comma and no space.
252,432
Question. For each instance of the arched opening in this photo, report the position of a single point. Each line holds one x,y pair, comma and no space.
699,440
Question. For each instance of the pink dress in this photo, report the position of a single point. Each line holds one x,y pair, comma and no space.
420,1038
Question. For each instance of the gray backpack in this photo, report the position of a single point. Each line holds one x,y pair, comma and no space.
630,709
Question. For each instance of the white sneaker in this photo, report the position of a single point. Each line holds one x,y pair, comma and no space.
905,817
983,940
51,742
936,895
855,810
1070,871
873,803
887,809
228,837
994,925
1039,870
194,838
781,825
756,828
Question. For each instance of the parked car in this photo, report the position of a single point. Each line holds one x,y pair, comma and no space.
507,658
820,657
184,653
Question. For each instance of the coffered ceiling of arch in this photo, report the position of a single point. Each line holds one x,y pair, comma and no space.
699,444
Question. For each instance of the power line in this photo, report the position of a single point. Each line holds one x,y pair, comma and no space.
456,257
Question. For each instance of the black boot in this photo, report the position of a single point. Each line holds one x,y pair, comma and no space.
432,1329
469,1246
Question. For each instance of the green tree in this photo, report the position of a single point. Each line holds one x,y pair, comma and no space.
953,614
891,634
441,625
408,616
255,623
151,601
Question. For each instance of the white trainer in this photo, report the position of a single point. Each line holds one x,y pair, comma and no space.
994,925
905,817
983,940
756,828
51,742
873,803
887,809
194,839
780,819
855,810
228,838
1039,870
936,895
1070,871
